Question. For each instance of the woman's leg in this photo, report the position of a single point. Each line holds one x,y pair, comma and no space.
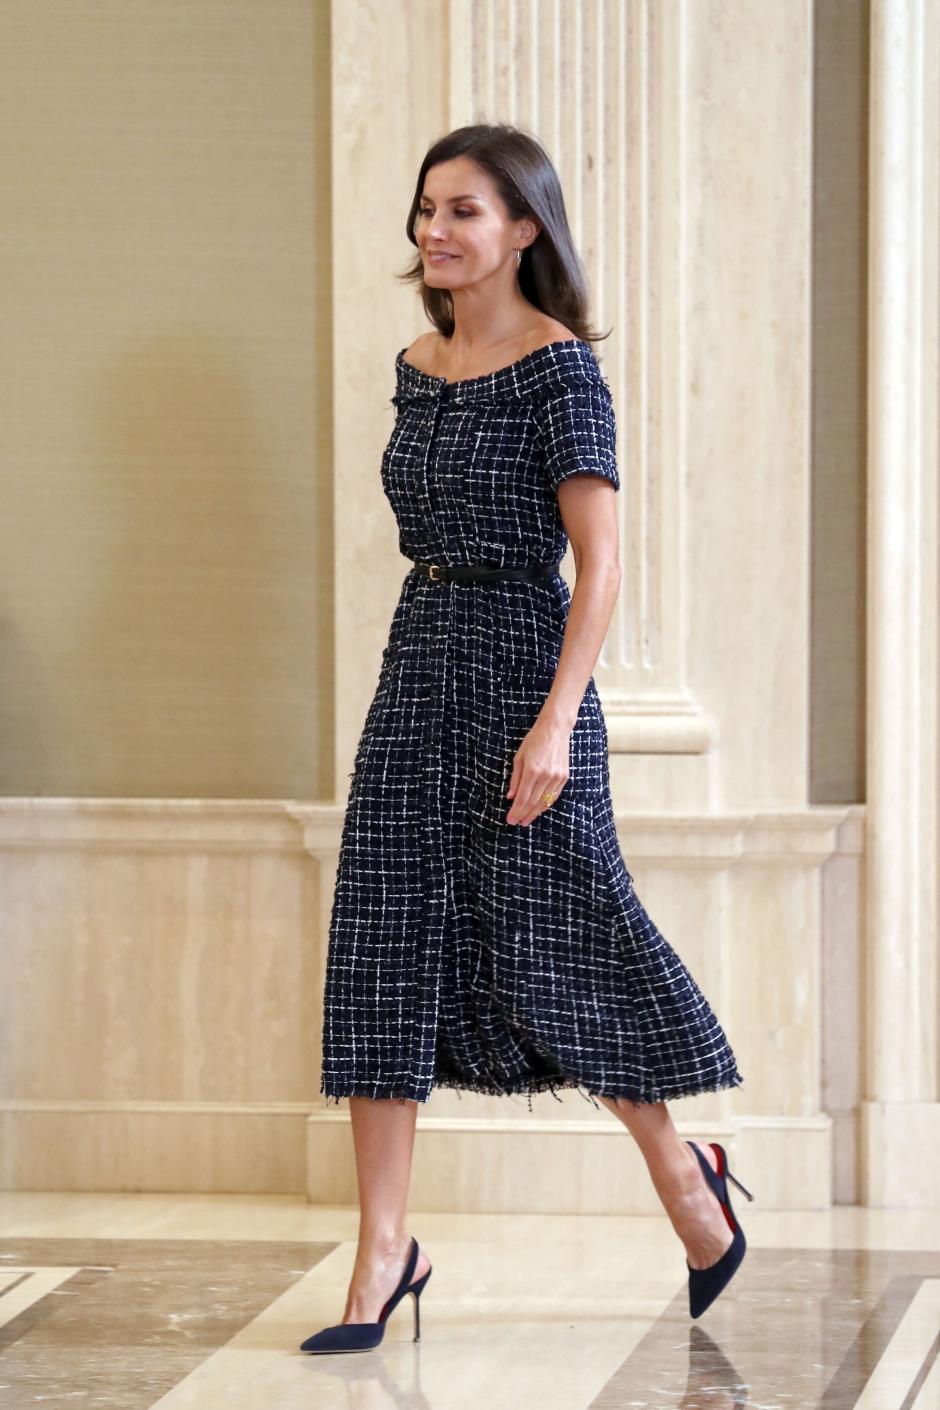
694,1212
383,1136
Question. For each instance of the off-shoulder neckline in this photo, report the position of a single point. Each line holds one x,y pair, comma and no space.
560,354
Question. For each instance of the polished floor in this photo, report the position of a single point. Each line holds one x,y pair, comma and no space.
176,1301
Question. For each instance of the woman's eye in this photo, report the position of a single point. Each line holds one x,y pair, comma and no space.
459,212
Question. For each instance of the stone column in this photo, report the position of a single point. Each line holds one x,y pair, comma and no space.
901,1116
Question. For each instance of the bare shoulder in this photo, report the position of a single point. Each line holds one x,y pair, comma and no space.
423,351
551,331
429,351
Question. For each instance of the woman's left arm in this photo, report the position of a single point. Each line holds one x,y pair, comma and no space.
588,511
577,435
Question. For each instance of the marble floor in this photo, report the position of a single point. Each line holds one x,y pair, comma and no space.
140,1300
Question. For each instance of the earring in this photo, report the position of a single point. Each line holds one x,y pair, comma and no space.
518,258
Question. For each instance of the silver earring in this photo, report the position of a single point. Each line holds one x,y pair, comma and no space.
518,258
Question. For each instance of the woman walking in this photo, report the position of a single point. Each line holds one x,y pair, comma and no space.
485,932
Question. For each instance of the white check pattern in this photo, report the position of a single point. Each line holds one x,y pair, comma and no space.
465,952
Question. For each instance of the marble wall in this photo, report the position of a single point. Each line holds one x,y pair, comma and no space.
165,892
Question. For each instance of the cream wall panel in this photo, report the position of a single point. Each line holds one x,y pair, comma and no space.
171,953
600,85
746,172
190,939
161,1003
380,130
175,1146
900,1113
573,1167
844,1009
652,117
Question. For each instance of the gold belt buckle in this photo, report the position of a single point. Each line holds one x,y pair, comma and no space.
432,568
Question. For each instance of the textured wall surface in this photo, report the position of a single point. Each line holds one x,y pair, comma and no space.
165,552
198,565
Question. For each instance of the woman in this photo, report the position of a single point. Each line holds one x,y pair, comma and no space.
486,934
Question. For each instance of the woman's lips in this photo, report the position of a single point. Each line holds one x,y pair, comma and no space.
436,258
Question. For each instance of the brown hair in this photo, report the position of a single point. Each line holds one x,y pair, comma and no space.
551,275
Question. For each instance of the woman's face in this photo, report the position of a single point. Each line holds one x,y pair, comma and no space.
462,216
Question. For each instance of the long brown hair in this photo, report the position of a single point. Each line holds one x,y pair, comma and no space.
551,275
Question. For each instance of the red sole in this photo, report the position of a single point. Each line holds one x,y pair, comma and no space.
729,1217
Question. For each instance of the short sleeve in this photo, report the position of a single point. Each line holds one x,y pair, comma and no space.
577,431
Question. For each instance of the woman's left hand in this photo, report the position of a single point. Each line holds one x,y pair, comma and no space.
540,766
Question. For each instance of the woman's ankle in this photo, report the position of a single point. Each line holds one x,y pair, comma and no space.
377,1248
678,1179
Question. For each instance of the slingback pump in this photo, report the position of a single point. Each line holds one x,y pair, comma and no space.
363,1336
706,1283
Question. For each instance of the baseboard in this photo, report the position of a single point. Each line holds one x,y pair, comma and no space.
192,1147
593,1166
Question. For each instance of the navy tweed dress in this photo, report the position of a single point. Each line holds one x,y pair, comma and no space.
465,951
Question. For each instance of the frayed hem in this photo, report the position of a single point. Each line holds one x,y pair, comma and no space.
650,1097
677,1093
491,1087
372,1094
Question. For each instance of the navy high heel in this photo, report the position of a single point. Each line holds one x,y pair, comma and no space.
363,1336
706,1283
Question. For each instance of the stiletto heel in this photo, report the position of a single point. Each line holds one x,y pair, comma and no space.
706,1283
417,1289
363,1336
739,1185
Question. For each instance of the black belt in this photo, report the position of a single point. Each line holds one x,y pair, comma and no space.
484,572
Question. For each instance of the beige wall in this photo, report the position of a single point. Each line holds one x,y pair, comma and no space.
198,567
165,546
166,550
